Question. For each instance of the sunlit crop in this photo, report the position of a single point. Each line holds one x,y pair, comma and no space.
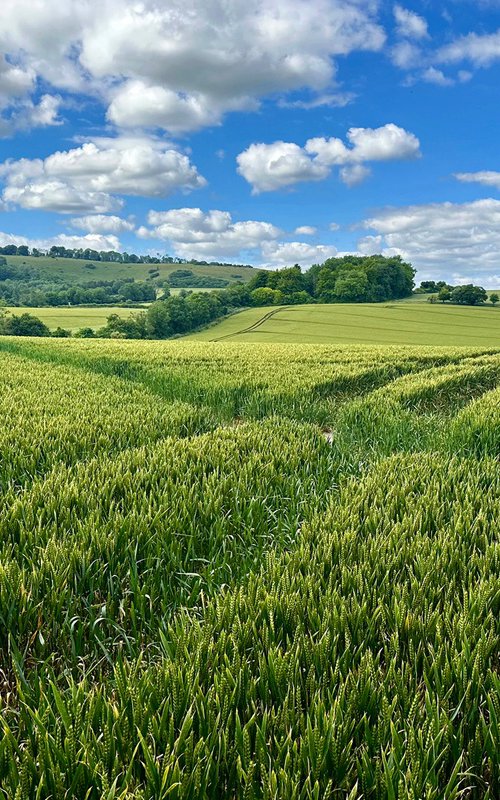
243,572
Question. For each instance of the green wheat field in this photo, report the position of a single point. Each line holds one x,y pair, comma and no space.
412,321
243,571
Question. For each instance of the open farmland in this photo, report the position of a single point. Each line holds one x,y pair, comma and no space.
74,317
234,571
410,321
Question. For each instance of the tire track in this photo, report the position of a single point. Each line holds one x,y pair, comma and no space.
255,325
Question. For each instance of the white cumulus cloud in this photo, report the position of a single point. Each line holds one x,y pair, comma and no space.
268,167
207,235
55,195
15,80
305,230
86,178
481,50
25,114
90,240
436,76
355,174
181,66
279,254
445,238
213,235
484,177
370,245
101,223
273,166
409,24
136,104
388,143
406,55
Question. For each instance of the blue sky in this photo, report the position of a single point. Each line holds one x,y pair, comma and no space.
257,131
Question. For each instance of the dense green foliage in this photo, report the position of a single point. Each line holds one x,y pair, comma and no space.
467,294
182,278
64,280
369,279
235,571
431,287
168,317
75,271
28,286
359,279
22,325
350,279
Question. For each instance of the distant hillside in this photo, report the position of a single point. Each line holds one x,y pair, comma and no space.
76,270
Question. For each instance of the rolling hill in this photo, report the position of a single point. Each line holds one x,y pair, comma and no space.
74,270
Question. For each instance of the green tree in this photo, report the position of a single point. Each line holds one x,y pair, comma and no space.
299,298
85,333
236,295
428,287
494,298
266,297
259,280
352,286
387,278
325,285
444,295
133,327
24,325
169,317
158,321
288,281
203,308
469,295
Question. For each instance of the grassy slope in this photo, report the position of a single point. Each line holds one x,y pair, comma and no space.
412,322
75,317
74,270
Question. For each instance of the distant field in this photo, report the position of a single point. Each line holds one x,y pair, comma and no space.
75,317
74,269
413,322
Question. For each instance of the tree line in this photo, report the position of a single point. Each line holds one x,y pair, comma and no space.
113,256
465,295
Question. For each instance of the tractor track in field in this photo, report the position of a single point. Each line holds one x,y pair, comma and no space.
254,326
